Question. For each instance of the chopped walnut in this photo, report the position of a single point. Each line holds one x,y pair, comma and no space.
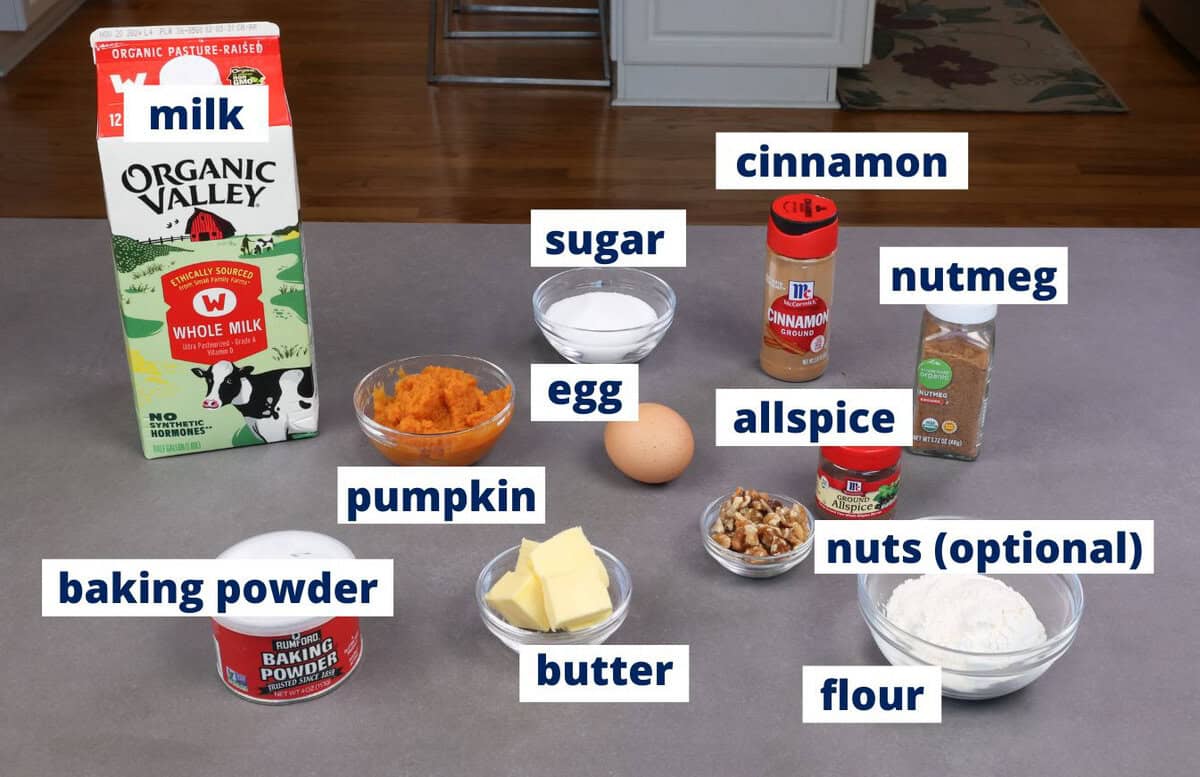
753,523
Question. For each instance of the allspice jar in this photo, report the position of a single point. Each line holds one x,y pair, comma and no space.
858,481
801,245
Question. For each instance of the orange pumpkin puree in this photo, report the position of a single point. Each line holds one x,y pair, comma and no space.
437,400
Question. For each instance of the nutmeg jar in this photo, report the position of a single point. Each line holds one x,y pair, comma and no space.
858,481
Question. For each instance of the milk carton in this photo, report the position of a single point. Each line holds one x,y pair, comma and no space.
195,143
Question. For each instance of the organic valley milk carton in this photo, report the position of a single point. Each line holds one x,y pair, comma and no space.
195,145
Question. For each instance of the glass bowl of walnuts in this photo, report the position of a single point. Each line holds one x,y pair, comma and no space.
755,533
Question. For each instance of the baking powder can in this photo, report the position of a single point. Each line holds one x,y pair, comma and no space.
275,660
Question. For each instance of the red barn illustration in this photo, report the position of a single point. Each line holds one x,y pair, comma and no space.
204,225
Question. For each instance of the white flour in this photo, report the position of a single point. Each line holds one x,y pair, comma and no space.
975,613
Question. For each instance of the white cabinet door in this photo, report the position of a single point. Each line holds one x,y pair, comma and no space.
13,16
779,33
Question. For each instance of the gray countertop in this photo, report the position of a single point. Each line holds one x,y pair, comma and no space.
1093,415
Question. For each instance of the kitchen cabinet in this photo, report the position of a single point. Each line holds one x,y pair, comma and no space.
777,53
26,23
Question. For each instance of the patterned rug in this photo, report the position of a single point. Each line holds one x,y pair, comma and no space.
973,55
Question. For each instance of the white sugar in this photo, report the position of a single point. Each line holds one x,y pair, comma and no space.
602,327
603,311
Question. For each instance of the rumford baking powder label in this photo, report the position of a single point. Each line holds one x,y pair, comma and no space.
288,667
195,142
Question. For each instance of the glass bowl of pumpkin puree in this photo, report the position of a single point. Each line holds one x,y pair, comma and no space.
442,409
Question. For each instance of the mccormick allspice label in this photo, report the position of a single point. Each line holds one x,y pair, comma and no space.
801,244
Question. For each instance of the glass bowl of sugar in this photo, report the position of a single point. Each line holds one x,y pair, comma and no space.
612,315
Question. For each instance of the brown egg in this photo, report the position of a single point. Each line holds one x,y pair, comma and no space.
656,448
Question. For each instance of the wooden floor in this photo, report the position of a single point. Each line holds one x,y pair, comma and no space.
375,143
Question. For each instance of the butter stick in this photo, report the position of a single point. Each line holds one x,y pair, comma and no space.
571,547
519,599
575,600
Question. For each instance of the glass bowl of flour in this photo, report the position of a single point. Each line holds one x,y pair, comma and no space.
991,634
613,315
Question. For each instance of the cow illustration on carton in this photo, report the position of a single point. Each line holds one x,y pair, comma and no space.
276,404
200,183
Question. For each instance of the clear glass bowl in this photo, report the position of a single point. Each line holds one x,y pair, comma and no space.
608,346
753,566
620,588
1057,600
459,448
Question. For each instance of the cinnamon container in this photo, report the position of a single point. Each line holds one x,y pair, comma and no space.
801,245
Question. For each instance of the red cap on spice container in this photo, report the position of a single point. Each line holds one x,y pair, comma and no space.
803,226
862,458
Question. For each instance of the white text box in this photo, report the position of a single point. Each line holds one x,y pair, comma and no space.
604,673
432,495
973,276
871,694
197,114
1024,546
291,588
841,160
600,237
807,417
583,392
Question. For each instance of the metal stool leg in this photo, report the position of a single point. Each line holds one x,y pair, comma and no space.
534,10
431,45
450,7
459,7
602,13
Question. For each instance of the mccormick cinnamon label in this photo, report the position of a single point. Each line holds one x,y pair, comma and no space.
288,667
195,143
796,321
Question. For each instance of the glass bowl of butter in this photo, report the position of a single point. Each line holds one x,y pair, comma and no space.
507,595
